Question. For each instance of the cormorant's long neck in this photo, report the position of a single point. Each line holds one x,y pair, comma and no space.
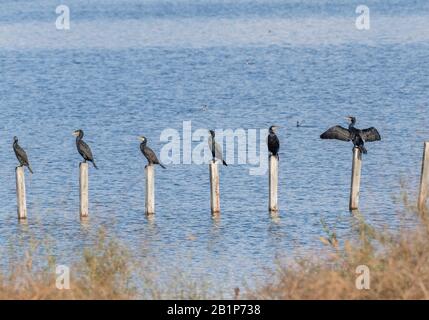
79,137
351,125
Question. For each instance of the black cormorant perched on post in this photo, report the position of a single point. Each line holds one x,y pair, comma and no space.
215,148
83,148
148,153
273,141
21,155
357,136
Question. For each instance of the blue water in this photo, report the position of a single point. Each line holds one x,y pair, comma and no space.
127,68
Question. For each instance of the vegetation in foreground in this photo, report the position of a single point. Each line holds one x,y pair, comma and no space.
398,264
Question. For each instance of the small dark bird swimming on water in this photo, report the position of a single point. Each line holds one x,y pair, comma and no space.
357,136
148,153
21,155
273,141
83,148
215,148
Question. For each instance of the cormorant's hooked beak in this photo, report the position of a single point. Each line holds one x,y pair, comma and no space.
141,138
75,133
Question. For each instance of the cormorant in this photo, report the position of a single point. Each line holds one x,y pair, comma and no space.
273,142
357,136
215,148
148,152
83,148
21,155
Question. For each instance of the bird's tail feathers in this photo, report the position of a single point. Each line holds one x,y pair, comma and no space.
29,168
224,163
95,166
363,149
162,166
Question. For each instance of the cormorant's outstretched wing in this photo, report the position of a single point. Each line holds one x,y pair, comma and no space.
370,134
337,132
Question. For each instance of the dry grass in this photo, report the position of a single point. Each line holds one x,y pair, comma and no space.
399,269
398,264
104,272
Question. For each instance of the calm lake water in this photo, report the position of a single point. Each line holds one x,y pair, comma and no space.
127,68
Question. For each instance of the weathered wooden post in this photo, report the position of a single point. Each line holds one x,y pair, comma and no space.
83,194
20,193
355,183
424,179
273,183
150,189
214,188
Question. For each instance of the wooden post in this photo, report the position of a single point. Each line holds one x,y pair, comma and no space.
20,193
150,189
83,194
214,188
355,183
273,183
424,179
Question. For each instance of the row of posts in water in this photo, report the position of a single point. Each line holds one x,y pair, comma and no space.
215,186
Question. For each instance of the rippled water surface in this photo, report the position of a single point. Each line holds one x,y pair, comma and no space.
128,68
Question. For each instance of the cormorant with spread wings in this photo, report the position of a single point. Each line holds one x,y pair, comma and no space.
357,136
